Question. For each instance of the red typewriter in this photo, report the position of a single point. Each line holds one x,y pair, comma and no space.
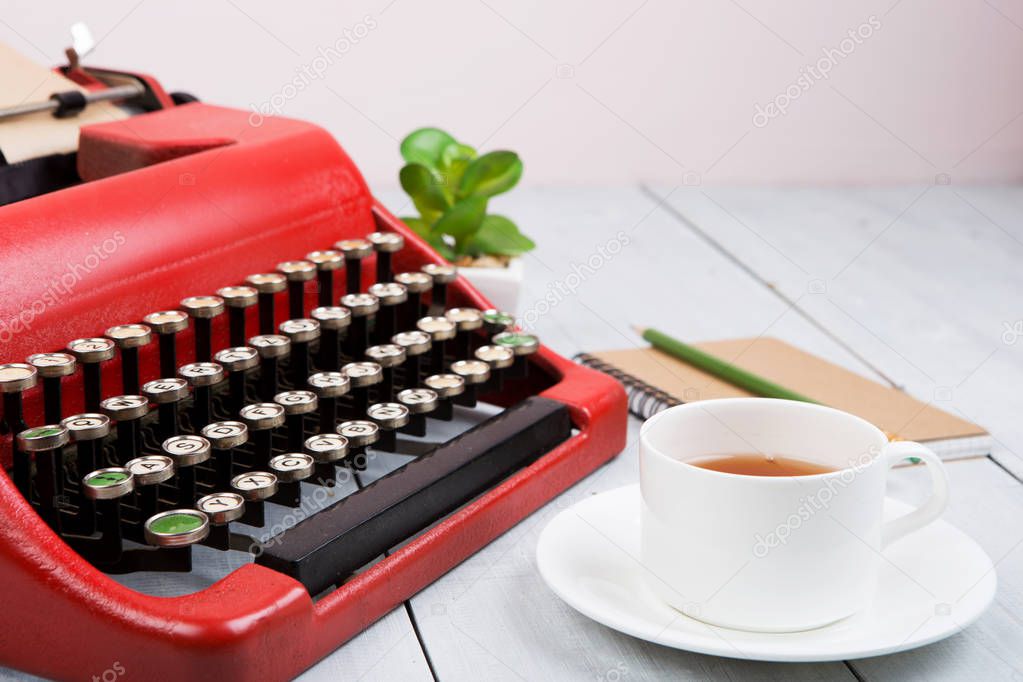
229,371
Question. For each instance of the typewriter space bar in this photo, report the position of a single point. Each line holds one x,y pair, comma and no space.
326,548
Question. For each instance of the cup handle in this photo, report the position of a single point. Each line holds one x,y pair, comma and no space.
899,451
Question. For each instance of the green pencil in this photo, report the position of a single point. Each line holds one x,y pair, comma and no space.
718,367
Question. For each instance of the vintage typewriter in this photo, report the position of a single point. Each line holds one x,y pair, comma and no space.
216,343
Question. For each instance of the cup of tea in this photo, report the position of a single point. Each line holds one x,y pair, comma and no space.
765,515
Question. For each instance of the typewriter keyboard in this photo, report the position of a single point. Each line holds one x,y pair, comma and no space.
311,446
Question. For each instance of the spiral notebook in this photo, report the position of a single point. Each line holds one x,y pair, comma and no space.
655,380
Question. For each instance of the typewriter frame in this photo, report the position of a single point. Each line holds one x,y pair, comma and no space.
255,622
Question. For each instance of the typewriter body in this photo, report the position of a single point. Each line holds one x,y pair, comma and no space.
215,340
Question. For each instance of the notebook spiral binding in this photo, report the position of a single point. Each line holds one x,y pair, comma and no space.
645,400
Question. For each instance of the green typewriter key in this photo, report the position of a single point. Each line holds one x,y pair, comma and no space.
466,321
262,419
15,379
167,395
52,367
499,358
290,469
353,250
127,411
446,386
167,324
87,431
202,309
442,276
129,338
328,450
268,284
522,345
360,434
362,307
326,263
255,487
224,437
297,272
420,402
386,244
389,417
334,320
416,345
296,404
441,330
236,361
301,332
91,353
47,442
221,509
388,356
416,284
106,488
149,472
390,295
496,321
362,376
238,300
271,348
328,387
475,373
177,528
187,452
202,376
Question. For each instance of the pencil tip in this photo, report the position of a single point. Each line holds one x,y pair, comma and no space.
639,330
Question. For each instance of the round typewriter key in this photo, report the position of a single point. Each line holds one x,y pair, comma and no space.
359,432
52,367
223,438
465,319
237,299
442,276
415,342
221,508
333,319
43,438
390,295
416,284
329,386
108,484
203,309
440,330
262,419
166,394
187,450
292,467
15,378
129,338
301,332
518,342
271,348
495,321
268,284
498,357
151,469
326,263
166,324
297,272
475,373
327,447
385,244
46,442
255,485
237,360
91,353
87,431
419,400
386,355
447,386
177,528
127,411
362,307
296,405
362,374
354,250
389,417
202,376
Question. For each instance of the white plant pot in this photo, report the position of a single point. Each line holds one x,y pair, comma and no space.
502,286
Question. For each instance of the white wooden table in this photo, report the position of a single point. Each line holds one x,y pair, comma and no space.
919,287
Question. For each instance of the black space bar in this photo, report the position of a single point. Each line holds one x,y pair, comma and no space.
326,548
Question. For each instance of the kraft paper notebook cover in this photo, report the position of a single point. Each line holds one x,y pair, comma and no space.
656,380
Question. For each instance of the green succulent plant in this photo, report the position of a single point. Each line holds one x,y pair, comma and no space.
450,186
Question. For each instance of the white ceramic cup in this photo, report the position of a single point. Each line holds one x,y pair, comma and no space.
763,553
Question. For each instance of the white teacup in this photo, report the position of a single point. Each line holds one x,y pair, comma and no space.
771,554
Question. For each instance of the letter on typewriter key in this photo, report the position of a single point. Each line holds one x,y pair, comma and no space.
297,272
91,353
360,434
167,324
268,284
442,276
296,404
52,367
221,508
389,417
255,487
327,449
271,348
385,244
290,469
187,451
328,387
238,299
333,319
224,437
262,419
203,309
177,528
166,394
203,376
326,263
149,472
127,411
354,250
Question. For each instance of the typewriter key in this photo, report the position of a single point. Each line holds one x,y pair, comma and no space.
440,330
389,417
301,332
290,469
268,284
353,250
110,483
177,528
237,361
360,434
238,300
202,376
254,487
416,344
522,345
362,307
296,404
52,367
442,275
388,356
446,386
221,508
167,324
149,472
224,437
297,272
496,321
87,431
327,449
166,394
416,283
127,411
271,348
47,443
474,373
326,263
499,358
129,338
91,353
202,309
420,402
390,295
328,387
187,451
106,488
362,375
333,319
15,379
466,320
385,244
262,419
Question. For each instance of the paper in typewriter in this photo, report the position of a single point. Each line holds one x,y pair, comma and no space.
897,413
34,135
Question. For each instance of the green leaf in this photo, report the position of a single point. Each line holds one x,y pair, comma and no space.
418,225
427,192
462,221
422,228
499,236
455,158
425,146
491,174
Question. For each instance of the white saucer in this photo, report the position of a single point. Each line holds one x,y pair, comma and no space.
935,583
